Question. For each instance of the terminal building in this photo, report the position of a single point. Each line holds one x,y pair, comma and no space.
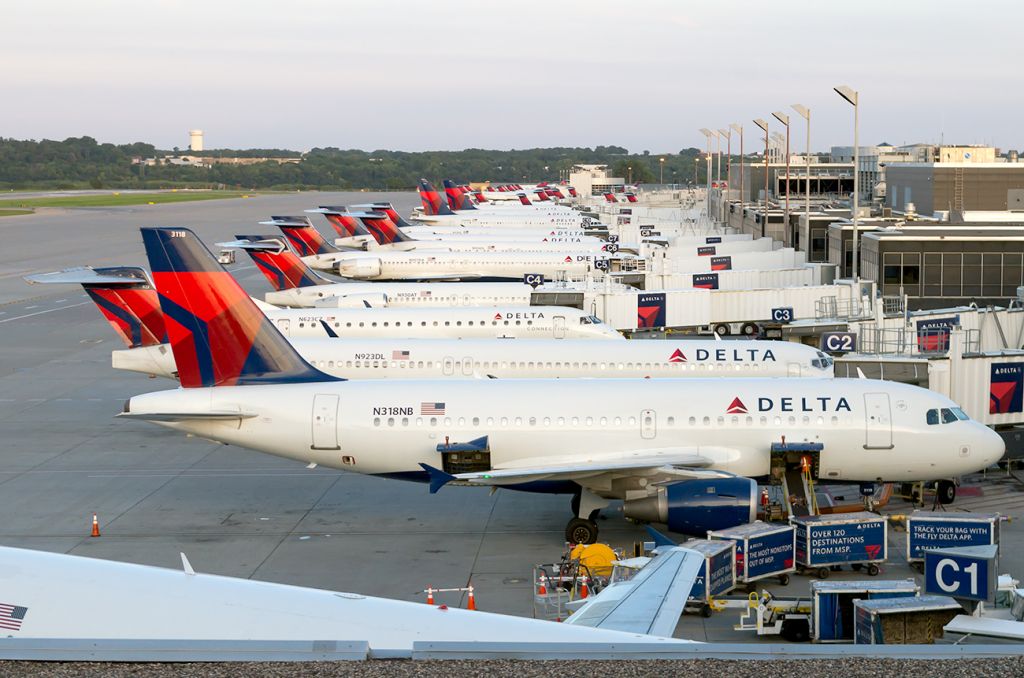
928,188
595,180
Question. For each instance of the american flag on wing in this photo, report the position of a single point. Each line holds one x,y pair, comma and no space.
425,293
11,616
399,355
431,408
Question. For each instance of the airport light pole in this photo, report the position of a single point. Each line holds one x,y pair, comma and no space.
851,98
805,113
707,135
784,119
764,215
728,168
661,161
718,152
629,173
739,129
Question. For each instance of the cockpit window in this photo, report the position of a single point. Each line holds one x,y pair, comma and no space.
822,362
590,320
947,415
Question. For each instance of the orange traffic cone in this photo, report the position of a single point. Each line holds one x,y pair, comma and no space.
542,586
430,595
95,526
471,601
584,592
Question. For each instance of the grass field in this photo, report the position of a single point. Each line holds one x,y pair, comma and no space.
114,199
13,213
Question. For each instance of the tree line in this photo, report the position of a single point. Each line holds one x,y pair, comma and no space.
82,162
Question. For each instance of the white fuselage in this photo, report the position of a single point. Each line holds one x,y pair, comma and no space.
482,244
568,219
498,322
434,231
403,294
454,265
538,359
871,430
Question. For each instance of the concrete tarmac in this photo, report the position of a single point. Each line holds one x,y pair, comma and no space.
235,512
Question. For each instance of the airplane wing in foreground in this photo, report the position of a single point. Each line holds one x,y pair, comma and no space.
651,602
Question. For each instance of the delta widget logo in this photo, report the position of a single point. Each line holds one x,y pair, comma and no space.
677,357
736,407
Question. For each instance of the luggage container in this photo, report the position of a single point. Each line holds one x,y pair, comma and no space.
824,543
832,604
902,621
938,530
716,576
762,551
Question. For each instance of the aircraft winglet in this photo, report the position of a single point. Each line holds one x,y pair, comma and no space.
187,566
438,478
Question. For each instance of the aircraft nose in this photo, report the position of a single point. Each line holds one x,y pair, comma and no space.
992,445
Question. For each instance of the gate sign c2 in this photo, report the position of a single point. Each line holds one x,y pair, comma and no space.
966,572
1006,388
839,342
533,279
782,315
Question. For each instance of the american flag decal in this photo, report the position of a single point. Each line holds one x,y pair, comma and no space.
399,355
11,616
431,408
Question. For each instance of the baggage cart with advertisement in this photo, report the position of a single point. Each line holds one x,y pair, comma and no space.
824,543
717,575
762,550
940,530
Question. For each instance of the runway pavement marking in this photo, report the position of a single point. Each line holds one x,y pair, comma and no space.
29,308
49,310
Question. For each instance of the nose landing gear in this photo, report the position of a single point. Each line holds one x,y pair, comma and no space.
945,491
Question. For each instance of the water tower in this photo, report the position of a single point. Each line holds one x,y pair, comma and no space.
195,140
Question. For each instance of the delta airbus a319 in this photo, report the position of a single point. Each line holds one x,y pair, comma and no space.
683,451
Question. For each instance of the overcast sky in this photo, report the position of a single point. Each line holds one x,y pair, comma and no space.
413,75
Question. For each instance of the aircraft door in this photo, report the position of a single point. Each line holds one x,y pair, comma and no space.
559,325
325,422
448,367
467,366
284,325
878,421
794,369
648,424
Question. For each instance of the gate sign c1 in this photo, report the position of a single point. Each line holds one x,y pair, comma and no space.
839,342
963,572
782,315
533,279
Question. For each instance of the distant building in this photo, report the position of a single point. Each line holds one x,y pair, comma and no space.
195,140
594,180
955,186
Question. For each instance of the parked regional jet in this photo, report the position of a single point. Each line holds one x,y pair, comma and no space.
681,451
538,359
298,286
351,230
436,211
70,608
437,264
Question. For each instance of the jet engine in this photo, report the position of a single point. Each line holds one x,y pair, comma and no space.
696,506
359,267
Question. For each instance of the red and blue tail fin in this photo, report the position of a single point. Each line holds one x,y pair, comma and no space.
572,192
382,228
218,335
541,194
457,198
392,213
276,262
302,236
630,197
523,198
610,197
343,223
432,203
125,297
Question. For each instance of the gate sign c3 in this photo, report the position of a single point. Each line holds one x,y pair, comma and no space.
782,315
839,342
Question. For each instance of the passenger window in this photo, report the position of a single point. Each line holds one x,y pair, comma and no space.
504,421
692,421
671,421
476,421
707,421
376,421
618,421
391,421
405,421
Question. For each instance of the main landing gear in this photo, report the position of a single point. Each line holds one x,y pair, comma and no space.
586,506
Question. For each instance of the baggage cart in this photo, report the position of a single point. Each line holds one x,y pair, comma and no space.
902,621
762,550
832,604
938,530
824,543
717,575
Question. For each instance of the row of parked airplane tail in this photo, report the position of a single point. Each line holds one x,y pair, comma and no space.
683,451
